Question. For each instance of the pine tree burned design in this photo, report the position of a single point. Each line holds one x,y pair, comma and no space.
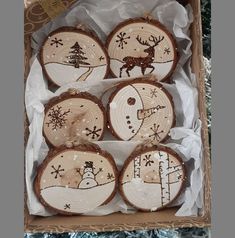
122,39
57,171
77,57
57,117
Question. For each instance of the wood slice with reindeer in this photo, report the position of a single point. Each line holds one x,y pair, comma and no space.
69,55
141,109
73,116
152,178
141,46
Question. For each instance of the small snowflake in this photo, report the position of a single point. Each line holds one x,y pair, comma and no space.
110,176
153,93
93,132
57,171
147,160
121,39
167,51
56,42
57,117
101,58
67,206
156,132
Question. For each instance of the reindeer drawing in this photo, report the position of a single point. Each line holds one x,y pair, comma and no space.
142,62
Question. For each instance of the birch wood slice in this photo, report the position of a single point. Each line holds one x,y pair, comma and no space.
76,180
152,178
141,46
70,55
141,110
69,117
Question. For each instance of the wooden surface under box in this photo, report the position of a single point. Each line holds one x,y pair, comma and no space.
139,220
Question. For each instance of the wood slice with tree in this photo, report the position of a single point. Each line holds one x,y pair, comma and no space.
152,178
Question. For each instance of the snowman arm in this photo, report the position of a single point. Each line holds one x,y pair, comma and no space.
79,171
100,169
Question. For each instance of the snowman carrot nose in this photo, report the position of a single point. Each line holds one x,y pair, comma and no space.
144,113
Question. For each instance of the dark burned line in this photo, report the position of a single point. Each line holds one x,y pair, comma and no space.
60,186
82,66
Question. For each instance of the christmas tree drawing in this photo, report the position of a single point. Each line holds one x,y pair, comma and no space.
77,57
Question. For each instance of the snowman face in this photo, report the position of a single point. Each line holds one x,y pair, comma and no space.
86,170
124,115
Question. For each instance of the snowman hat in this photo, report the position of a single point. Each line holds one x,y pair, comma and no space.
88,164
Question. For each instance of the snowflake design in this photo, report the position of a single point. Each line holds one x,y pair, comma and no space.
121,39
101,58
93,132
147,160
110,176
153,93
57,117
67,206
167,51
57,171
156,132
56,42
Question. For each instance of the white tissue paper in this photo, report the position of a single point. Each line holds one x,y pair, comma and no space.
102,16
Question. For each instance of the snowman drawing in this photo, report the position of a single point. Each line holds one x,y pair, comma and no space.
88,176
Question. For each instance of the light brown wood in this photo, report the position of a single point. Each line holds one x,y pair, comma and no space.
140,220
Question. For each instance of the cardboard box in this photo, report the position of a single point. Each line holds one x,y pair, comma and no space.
38,13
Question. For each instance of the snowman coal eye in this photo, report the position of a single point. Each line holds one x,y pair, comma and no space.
131,101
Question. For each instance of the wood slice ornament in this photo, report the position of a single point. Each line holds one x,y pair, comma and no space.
70,55
142,110
152,178
76,180
72,116
141,46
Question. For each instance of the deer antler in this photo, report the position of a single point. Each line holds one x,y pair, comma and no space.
142,42
156,40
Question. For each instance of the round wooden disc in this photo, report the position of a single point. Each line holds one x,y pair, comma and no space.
69,55
141,110
152,178
69,117
76,180
141,46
